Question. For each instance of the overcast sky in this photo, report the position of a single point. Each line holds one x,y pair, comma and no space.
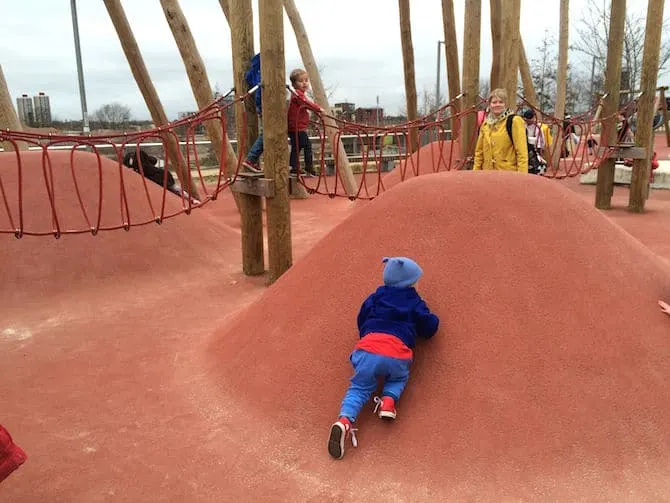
357,43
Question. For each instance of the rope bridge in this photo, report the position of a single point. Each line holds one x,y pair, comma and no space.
109,199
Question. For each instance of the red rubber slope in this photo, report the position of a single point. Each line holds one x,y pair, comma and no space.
548,377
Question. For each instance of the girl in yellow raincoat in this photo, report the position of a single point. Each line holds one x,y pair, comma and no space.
494,150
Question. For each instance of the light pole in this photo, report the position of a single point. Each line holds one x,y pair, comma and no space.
437,81
80,71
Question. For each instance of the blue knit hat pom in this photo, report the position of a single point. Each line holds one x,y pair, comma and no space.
401,272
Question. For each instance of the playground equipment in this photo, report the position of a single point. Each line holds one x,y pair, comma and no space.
452,127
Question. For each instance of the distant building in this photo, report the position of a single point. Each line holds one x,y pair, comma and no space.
227,102
24,105
370,116
42,110
345,111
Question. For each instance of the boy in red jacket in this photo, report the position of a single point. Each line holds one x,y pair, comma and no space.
298,120
389,322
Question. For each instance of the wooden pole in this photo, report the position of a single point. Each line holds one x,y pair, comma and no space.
197,76
471,48
275,134
605,180
146,86
8,117
562,77
509,73
241,22
526,77
496,35
664,110
451,55
644,135
408,70
347,176
225,6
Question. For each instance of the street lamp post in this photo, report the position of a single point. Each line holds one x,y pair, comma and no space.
80,71
437,81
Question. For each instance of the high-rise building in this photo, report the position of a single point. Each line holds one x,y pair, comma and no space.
42,110
24,105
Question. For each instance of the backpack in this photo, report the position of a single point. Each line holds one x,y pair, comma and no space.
535,166
253,78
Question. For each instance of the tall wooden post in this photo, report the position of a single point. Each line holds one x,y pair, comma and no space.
562,77
471,48
496,46
451,55
644,135
146,86
275,133
526,77
197,76
251,207
509,73
605,180
8,118
347,176
225,6
408,70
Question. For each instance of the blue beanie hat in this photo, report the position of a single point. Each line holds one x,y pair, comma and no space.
401,272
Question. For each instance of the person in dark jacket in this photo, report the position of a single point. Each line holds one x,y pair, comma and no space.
389,322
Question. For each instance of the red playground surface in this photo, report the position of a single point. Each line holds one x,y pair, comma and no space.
144,366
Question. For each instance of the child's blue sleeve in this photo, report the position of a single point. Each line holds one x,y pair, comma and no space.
365,311
427,323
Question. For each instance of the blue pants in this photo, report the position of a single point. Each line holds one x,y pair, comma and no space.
256,150
300,141
367,367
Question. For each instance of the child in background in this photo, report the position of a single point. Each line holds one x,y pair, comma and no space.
253,78
298,120
389,322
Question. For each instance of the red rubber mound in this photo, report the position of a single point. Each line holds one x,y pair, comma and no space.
546,381
429,158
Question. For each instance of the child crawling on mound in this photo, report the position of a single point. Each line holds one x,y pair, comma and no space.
389,321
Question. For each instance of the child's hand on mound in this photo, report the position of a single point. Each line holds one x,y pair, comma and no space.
665,307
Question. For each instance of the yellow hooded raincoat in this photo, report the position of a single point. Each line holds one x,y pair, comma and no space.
495,151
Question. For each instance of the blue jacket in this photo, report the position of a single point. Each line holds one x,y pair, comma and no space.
253,78
397,311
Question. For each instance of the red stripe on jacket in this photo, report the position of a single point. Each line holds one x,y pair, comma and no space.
385,345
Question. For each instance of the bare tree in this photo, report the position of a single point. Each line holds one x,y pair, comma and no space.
112,115
484,88
592,40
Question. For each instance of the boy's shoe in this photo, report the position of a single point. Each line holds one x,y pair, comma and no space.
386,407
339,432
250,166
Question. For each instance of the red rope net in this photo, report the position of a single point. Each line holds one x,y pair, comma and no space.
372,151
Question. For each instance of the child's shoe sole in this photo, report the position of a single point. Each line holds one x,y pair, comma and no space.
386,414
336,441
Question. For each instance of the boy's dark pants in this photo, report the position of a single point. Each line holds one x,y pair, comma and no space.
299,141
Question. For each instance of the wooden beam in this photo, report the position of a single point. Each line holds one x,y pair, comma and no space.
562,79
644,135
408,71
256,186
345,172
225,7
608,137
241,21
471,49
146,86
451,56
527,77
496,36
275,133
197,76
8,117
509,73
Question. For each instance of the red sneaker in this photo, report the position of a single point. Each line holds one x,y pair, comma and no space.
339,432
250,166
386,406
